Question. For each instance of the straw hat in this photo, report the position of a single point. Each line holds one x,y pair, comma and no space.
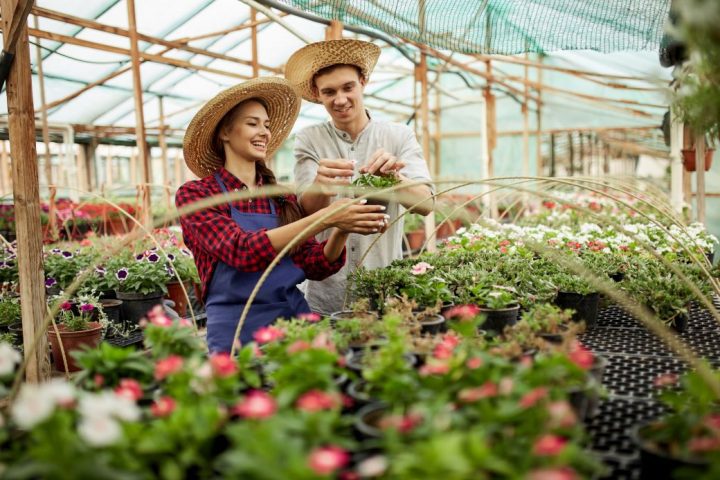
283,104
306,62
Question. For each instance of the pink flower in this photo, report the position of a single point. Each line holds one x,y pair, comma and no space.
474,363
268,334
704,444
451,340
223,365
66,306
581,356
158,317
311,317
561,414
463,312
712,422
298,346
421,268
506,385
401,423
665,380
533,397
549,445
434,368
256,404
168,366
469,395
129,388
162,407
442,351
327,460
98,380
324,342
562,473
184,322
317,400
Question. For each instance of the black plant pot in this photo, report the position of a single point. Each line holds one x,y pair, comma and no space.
432,324
680,322
357,391
617,276
136,305
112,310
658,465
585,306
354,358
580,403
367,419
497,319
16,329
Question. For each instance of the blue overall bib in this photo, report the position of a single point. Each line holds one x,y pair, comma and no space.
230,289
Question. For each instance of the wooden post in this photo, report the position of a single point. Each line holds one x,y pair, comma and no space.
108,169
552,154
133,167
421,75
539,168
26,197
82,174
5,169
163,153
700,175
254,43
436,139
334,30
139,114
583,167
571,152
526,125
179,180
491,129
43,107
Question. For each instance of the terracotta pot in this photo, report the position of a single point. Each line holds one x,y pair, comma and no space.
415,239
72,342
177,295
117,226
445,230
689,159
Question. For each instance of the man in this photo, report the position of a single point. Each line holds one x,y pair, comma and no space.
335,73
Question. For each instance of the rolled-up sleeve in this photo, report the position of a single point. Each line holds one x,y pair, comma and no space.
411,153
312,260
213,231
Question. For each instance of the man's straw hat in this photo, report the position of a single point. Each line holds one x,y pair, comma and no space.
278,95
306,62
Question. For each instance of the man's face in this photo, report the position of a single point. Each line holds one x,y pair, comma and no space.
341,92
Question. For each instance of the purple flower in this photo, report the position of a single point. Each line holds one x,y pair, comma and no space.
186,252
67,254
169,270
171,257
66,306
153,249
153,258
55,250
139,256
49,282
100,271
121,274
87,307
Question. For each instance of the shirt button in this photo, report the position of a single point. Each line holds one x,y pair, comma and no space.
352,149
352,249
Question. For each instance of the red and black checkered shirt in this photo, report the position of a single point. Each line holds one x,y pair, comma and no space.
212,235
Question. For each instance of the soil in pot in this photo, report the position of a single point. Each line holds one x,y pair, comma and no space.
497,319
585,306
656,464
71,342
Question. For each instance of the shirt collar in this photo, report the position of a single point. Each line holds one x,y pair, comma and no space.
345,135
233,183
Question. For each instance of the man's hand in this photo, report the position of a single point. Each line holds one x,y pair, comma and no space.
333,172
357,217
383,162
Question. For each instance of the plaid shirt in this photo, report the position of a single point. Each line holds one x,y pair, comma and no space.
212,235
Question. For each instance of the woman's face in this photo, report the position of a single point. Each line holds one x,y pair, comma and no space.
247,137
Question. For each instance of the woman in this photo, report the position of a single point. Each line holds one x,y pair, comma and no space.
226,145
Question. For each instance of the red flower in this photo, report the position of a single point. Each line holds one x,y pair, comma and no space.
311,317
401,423
317,400
168,366
223,365
548,204
704,444
268,334
474,363
158,317
162,407
327,460
563,473
256,404
504,243
712,422
66,306
581,356
561,414
442,351
129,388
98,380
665,380
451,340
533,397
463,312
487,390
434,368
549,445
298,346
594,206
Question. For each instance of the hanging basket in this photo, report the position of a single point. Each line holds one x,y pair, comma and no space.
689,158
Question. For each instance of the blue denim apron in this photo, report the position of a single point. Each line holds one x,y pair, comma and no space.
230,289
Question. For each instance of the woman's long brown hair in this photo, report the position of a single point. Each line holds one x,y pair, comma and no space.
288,211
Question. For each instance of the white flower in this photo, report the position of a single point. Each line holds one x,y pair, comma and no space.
108,404
99,431
374,466
32,406
60,391
9,357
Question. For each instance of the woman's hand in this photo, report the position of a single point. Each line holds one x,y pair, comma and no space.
359,218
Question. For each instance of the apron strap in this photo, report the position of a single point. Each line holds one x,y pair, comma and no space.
220,182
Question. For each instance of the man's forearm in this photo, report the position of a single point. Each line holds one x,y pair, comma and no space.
311,202
416,198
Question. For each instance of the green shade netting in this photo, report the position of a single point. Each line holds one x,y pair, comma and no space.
506,26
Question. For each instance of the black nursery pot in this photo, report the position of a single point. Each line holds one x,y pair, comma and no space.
112,309
367,419
354,358
497,319
658,465
585,306
136,305
432,324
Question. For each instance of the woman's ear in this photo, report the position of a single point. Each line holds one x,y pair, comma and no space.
223,134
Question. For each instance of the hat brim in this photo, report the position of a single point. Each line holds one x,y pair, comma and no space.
302,66
278,95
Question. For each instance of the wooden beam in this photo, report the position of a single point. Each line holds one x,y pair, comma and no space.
26,198
43,110
163,153
82,22
334,31
421,76
238,28
525,109
139,113
254,43
539,167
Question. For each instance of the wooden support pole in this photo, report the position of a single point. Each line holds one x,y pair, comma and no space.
571,152
436,138
334,30
254,43
526,124
163,154
139,113
108,169
539,168
421,76
43,108
581,154
5,169
179,180
700,175
552,154
133,167
26,197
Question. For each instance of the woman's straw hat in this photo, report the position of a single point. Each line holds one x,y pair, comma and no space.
278,95
306,62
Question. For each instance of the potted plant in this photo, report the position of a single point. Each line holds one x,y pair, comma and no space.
414,229
547,322
497,303
75,331
369,184
577,294
426,287
140,281
180,261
